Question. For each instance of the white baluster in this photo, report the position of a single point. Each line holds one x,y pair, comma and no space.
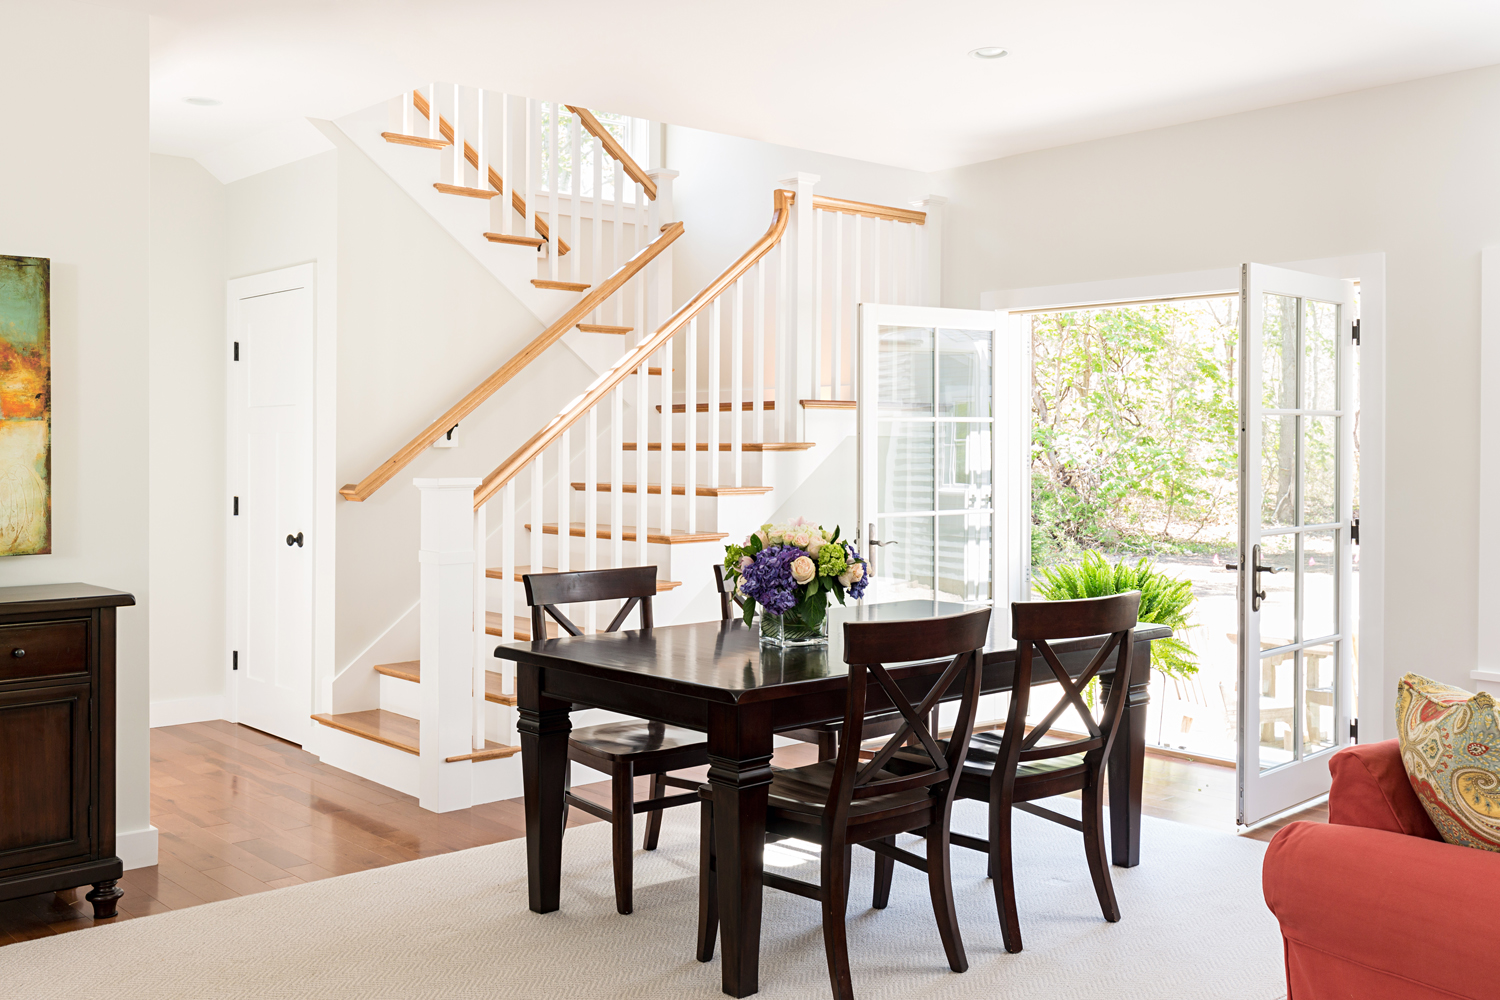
758,356
617,480
642,434
931,284
564,501
554,142
458,136
596,272
481,144
481,604
669,349
838,305
507,171
715,375
575,189
432,113
408,112
737,383
690,432
531,152
617,235
856,274
508,582
785,326
538,515
817,316
590,478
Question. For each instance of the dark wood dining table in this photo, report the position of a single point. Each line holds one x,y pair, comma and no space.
716,678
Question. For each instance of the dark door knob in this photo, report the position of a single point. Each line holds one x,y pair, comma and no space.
295,539
18,653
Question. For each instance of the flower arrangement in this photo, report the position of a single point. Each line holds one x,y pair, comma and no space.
789,571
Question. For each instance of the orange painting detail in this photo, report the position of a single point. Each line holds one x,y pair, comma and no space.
25,406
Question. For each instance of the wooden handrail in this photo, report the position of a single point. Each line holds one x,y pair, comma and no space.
596,296
869,211
445,128
598,131
636,357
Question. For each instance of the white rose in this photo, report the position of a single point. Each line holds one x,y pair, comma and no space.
846,579
803,569
814,546
856,572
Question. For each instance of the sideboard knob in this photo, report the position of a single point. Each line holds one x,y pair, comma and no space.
18,653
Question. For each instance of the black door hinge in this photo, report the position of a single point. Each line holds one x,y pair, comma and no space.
1356,333
1353,730
237,343
236,506
235,660
1354,531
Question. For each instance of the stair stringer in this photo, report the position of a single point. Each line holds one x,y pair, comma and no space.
415,170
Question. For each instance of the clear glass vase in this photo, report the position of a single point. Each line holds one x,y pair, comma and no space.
790,630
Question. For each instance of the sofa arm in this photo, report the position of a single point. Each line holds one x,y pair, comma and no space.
1370,789
1400,906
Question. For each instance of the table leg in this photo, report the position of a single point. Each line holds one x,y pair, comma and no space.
543,726
1127,763
739,768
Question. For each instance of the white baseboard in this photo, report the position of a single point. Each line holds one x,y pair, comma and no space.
181,711
137,848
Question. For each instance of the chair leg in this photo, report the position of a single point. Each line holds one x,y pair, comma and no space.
885,868
835,904
622,826
828,746
940,883
1001,873
708,886
1093,846
653,818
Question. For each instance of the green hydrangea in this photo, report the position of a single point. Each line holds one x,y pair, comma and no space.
831,560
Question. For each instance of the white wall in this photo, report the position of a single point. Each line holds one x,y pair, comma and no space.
188,221
77,190
723,195
1409,170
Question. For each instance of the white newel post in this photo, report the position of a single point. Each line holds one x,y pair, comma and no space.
794,378
932,248
447,560
659,213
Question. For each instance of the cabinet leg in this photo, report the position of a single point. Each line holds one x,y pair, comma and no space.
104,897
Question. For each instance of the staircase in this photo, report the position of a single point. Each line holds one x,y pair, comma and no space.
735,409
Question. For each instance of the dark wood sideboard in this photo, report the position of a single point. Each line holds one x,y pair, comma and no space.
57,741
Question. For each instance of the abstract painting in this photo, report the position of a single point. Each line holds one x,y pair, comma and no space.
25,406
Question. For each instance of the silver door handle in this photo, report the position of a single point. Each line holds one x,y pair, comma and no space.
1256,569
874,543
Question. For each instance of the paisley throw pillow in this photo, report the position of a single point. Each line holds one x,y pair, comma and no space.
1450,744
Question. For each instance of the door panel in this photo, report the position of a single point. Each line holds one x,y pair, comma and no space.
44,775
1296,510
272,441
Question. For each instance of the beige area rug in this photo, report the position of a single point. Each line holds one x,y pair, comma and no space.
457,926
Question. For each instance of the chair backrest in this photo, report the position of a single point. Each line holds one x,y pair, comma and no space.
868,646
545,591
1035,624
727,594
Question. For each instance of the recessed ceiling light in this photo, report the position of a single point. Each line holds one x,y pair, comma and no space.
988,52
202,102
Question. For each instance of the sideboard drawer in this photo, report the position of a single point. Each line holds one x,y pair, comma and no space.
44,649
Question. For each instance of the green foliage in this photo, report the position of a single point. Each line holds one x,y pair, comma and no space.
1164,600
1135,429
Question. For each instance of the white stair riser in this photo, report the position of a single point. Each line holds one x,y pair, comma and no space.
405,698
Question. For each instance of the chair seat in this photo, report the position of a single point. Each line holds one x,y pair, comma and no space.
984,753
639,741
803,792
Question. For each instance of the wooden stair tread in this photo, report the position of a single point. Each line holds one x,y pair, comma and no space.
561,286
769,404
535,242
520,626
414,140
498,573
829,404
679,490
601,328
467,192
411,670
400,733
724,446
627,533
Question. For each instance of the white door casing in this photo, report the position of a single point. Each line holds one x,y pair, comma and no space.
271,446
943,455
1296,652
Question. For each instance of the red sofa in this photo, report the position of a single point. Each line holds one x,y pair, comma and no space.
1373,904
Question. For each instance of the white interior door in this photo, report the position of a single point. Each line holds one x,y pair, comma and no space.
271,448
944,427
1297,408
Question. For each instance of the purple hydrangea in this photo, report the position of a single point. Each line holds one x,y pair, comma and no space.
857,588
768,579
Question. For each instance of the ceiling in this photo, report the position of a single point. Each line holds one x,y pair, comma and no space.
881,80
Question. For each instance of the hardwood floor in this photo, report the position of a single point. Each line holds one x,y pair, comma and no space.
242,812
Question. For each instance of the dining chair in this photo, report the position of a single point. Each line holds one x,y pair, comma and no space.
1012,770
623,749
849,801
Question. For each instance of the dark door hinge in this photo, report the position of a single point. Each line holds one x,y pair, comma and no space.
236,506
237,343
1354,531
1356,333
1353,730
235,660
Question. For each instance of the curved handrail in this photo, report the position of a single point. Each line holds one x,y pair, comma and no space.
612,145
366,487
636,357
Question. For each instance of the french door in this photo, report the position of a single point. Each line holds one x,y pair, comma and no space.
944,428
1296,604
